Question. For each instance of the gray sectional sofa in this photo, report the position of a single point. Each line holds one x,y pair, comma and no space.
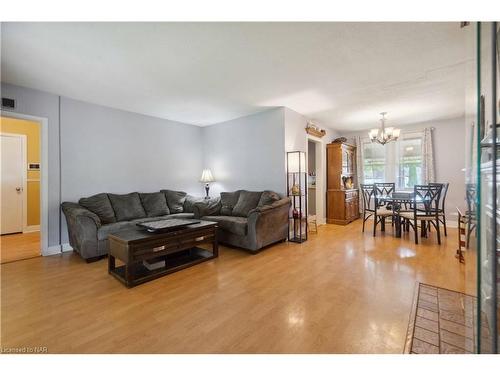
250,220
247,219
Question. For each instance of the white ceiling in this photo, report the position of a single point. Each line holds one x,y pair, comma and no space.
339,74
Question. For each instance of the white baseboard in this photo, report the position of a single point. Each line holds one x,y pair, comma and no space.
450,223
66,247
31,228
52,250
56,249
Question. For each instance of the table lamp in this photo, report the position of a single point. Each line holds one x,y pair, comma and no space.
206,178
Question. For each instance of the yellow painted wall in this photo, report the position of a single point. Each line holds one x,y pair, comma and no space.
32,131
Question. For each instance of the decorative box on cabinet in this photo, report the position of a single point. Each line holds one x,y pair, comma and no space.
342,197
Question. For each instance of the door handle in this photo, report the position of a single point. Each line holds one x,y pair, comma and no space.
18,189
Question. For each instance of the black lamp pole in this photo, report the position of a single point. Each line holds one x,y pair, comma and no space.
207,188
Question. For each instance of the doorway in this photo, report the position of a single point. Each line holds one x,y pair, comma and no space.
316,203
20,202
312,173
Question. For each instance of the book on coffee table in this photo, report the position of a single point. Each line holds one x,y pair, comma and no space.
167,224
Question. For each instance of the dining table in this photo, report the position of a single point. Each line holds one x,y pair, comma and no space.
397,200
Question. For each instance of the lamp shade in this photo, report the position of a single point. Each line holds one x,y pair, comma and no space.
373,133
296,161
206,176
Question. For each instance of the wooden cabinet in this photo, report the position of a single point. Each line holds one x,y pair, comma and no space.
342,196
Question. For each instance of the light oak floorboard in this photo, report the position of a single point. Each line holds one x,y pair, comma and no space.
19,246
340,292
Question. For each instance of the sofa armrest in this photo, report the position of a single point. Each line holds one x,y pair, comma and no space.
74,210
268,207
207,208
82,229
268,224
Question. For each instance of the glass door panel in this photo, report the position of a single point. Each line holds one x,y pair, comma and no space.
488,165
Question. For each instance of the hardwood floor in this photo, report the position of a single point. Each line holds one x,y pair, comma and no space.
19,246
340,292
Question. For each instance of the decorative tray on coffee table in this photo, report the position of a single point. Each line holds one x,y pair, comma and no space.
166,225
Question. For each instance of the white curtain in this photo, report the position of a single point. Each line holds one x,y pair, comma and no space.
359,169
428,174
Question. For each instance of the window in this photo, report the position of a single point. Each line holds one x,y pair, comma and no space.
410,163
373,162
399,162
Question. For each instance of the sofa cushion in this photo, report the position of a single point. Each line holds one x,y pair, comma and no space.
228,200
105,230
127,206
268,197
101,206
155,204
190,202
209,207
233,224
247,201
175,200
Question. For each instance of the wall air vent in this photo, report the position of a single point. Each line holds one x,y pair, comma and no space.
8,103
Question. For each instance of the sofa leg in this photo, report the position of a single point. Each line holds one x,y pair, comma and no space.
95,259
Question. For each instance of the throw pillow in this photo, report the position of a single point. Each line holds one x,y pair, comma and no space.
155,204
175,200
101,206
268,197
127,206
228,200
207,208
190,202
247,201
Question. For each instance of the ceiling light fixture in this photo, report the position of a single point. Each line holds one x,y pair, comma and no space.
384,135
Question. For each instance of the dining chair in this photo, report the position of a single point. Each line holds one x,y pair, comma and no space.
312,222
425,210
382,189
442,212
470,214
368,193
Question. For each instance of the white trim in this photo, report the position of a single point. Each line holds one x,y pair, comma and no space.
320,161
58,249
44,191
24,173
31,228
66,247
52,250
451,223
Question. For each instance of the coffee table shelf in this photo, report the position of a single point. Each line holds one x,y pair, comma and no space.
179,249
183,259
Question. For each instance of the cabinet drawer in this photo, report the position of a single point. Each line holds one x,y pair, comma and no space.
171,247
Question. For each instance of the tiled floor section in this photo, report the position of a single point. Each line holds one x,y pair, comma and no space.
443,322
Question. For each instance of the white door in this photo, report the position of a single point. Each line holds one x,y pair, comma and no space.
11,205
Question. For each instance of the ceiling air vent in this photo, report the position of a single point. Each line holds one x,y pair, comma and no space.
8,103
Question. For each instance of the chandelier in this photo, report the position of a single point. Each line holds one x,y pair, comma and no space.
384,135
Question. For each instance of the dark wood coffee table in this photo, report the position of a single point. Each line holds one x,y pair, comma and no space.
179,248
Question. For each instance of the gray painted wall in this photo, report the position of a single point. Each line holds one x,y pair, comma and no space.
104,149
109,150
247,153
42,104
449,157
